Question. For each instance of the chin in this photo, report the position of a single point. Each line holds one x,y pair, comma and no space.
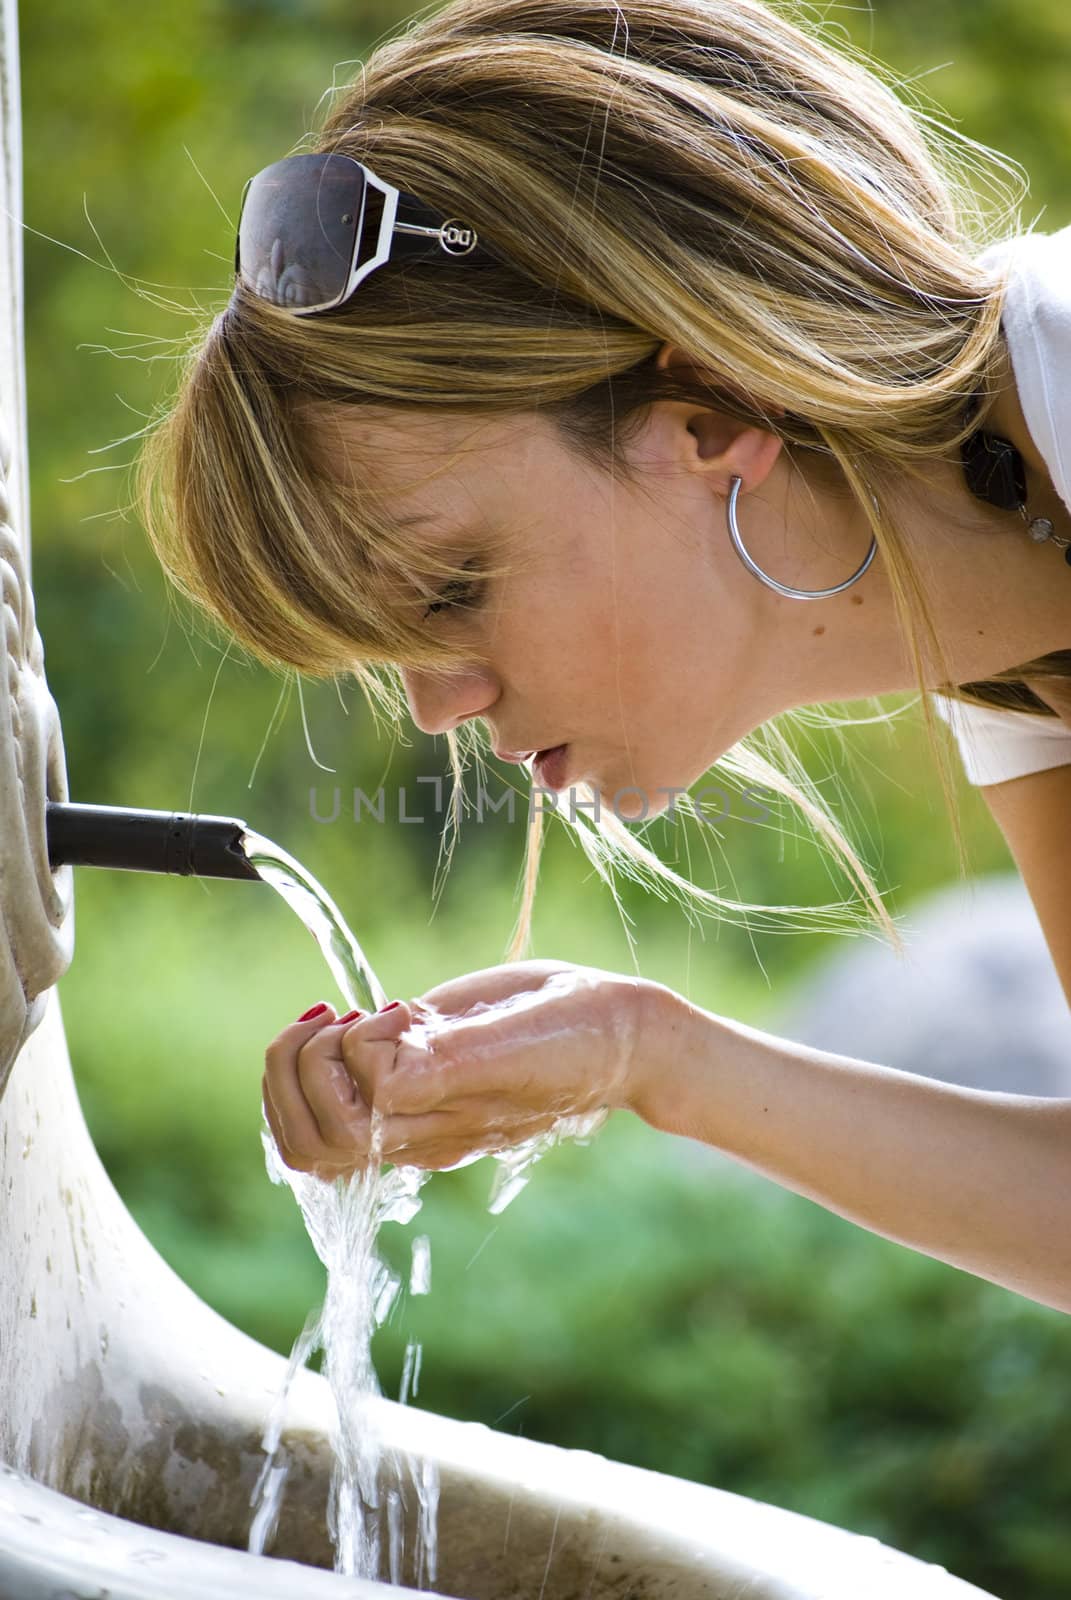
631,802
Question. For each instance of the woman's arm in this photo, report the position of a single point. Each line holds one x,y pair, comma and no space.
978,1179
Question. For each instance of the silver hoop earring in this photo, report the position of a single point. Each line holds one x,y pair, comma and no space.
783,588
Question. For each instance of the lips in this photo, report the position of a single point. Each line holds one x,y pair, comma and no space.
546,765
549,767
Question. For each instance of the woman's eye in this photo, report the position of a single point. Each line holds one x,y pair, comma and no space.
459,592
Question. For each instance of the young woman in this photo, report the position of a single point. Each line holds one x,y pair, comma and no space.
620,376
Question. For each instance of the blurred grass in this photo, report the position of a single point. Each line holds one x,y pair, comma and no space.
641,1297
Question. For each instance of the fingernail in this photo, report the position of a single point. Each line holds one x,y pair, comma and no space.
351,1016
315,1011
391,1006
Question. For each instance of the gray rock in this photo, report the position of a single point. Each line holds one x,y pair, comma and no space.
975,1001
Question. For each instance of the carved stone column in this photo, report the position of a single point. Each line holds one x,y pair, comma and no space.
36,921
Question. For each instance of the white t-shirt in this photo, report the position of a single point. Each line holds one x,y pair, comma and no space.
994,744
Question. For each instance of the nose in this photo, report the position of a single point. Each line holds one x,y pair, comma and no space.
439,701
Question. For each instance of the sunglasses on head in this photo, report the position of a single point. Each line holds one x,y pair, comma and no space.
313,227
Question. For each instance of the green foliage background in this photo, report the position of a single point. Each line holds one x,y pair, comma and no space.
642,1297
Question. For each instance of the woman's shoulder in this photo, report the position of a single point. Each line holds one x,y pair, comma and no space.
1038,268
1033,251
1038,291
1036,319
996,745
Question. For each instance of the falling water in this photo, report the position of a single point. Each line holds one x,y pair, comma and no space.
343,1218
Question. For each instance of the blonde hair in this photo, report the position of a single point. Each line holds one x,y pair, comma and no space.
709,173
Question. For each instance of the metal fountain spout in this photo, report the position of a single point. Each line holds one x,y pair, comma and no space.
146,841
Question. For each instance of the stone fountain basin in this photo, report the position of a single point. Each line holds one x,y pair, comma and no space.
519,1520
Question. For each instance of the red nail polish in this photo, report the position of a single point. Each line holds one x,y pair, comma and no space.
391,1006
351,1016
315,1011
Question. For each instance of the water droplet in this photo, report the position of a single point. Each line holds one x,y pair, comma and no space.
420,1271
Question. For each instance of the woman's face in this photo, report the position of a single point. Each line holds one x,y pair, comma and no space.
631,633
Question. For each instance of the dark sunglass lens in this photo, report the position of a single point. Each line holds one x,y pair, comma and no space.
298,227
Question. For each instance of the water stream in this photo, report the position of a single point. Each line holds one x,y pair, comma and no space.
368,1484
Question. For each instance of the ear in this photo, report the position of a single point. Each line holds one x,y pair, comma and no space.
724,447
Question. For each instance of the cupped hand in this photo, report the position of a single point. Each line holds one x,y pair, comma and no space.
477,1064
